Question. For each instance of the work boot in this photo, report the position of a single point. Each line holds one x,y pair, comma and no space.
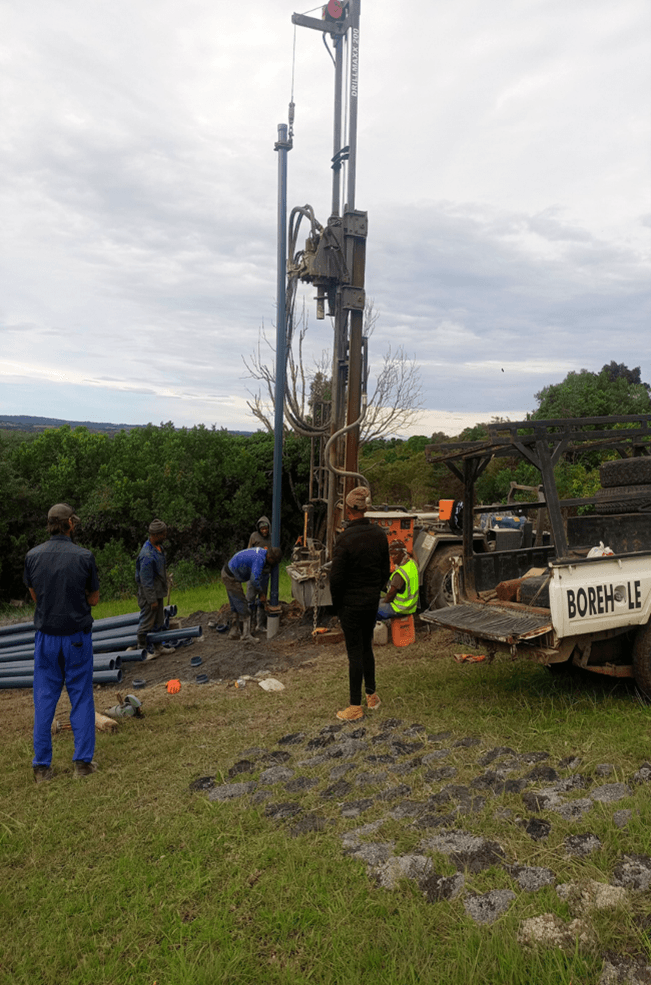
85,769
43,773
373,700
234,633
246,632
351,714
261,619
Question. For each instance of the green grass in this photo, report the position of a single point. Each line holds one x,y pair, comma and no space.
205,598
126,878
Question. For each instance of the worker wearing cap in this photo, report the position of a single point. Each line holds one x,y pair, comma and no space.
360,570
401,598
151,579
62,579
252,565
261,537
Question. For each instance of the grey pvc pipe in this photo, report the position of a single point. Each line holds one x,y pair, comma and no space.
20,667
107,676
16,639
27,680
108,622
17,653
114,644
108,647
128,656
17,627
175,634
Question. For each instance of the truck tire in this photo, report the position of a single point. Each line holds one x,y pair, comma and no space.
625,471
642,660
438,587
623,499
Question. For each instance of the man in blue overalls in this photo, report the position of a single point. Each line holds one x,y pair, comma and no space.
251,565
62,580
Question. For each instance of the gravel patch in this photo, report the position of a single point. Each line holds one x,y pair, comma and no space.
276,774
532,878
229,791
353,808
610,793
633,872
393,870
581,845
489,906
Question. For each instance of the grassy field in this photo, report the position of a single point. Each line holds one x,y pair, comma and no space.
206,598
128,878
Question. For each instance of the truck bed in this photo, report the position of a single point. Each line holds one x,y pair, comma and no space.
503,622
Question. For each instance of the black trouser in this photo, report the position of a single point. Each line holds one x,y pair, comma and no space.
358,626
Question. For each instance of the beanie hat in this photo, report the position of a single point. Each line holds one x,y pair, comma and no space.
359,499
157,527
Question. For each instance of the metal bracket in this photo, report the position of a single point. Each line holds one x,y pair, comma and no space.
356,224
353,298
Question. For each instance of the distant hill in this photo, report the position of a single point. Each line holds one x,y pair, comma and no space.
23,422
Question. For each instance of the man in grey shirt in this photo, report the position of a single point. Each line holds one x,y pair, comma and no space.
62,579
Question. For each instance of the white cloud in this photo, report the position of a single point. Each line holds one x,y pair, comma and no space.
504,159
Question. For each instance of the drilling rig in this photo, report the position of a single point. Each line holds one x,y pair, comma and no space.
332,258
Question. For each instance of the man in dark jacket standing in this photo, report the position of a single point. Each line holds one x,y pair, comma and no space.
62,580
360,570
151,579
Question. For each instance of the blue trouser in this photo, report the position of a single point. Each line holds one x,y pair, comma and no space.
59,659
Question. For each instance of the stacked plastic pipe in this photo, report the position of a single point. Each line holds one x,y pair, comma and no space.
111,638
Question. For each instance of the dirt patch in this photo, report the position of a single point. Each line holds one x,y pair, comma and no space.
228,660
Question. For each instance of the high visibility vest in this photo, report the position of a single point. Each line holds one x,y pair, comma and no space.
406,602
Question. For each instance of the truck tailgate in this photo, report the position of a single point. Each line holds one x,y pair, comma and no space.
501,623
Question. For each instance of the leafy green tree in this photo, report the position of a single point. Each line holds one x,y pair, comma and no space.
587,394
209,486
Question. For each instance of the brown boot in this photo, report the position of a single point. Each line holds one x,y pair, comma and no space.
373,700
351,714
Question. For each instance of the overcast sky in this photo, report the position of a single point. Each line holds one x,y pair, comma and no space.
504,161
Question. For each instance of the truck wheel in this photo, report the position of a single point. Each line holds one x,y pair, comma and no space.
623,499
642,660
624,471
438,578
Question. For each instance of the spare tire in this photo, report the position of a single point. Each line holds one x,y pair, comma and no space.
623,499
642,660
624,471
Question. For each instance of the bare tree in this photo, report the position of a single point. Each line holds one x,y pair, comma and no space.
394,403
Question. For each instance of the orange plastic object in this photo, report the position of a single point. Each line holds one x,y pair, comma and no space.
173,687
445,509
403,631
469,658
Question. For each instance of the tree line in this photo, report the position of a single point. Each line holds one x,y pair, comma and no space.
208,485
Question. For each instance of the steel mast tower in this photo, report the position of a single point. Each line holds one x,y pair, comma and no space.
334,260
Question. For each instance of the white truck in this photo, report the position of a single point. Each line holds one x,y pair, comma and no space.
585,596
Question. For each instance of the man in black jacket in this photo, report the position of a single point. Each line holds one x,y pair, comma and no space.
360,570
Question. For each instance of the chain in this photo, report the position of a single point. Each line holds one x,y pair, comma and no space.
315,603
